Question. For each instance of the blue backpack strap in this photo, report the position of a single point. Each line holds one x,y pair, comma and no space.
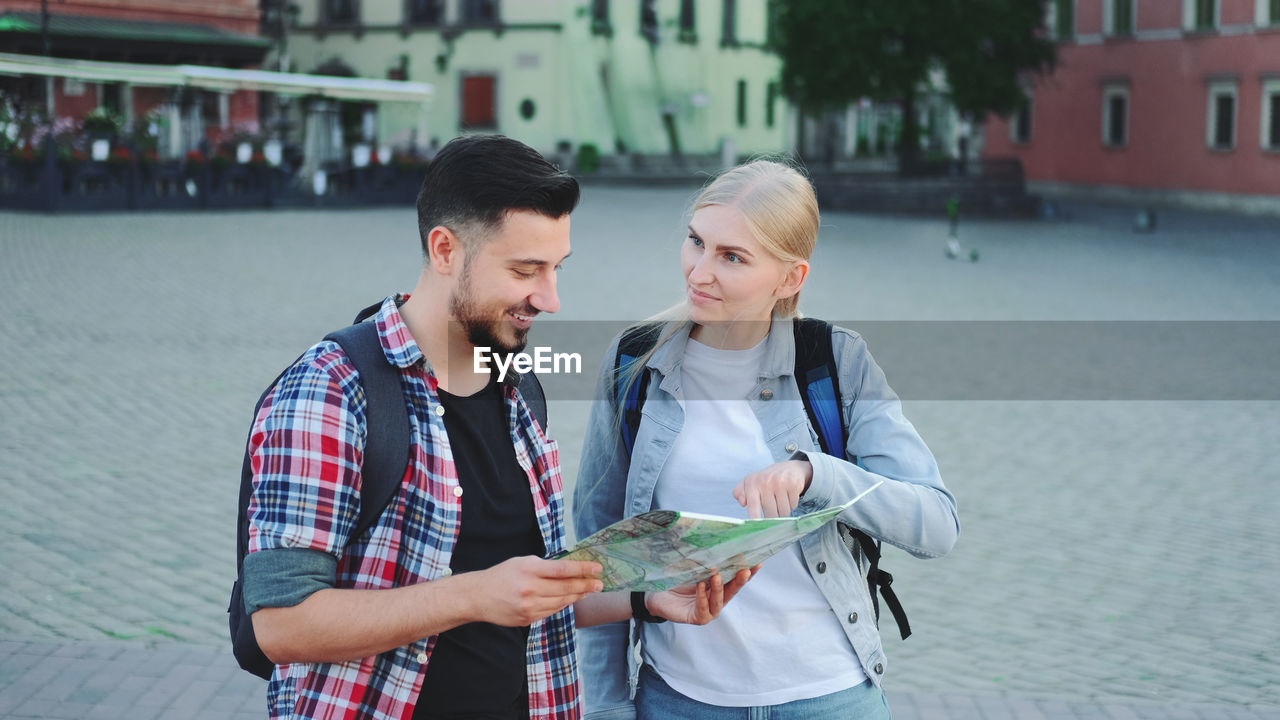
818,378
635,342
819,381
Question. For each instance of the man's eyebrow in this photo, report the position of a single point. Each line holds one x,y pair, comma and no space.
537,262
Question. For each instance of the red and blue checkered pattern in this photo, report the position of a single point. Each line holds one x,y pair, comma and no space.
307,447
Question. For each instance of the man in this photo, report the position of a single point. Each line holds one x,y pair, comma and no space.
427,616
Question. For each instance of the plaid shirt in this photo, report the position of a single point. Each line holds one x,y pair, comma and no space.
306,449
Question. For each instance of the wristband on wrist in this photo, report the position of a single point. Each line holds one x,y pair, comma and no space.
640,611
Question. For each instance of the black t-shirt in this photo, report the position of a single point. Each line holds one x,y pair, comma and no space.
477,670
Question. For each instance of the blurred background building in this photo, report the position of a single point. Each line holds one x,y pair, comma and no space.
637,77
217,33
1174,100
1163,100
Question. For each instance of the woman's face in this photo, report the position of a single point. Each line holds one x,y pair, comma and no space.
729,276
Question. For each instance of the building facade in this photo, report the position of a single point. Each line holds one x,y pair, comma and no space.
649,77
218,33
1174,100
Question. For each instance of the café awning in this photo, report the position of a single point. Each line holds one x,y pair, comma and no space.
216,78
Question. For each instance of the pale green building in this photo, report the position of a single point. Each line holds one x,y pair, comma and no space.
632,77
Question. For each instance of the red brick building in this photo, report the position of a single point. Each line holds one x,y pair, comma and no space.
219,33
1155,99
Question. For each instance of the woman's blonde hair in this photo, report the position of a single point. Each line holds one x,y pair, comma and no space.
779,206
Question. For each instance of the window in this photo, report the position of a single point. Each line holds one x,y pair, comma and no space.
424,12
1066,19
1122,17
1222,115
773,10
1020,125
600,24
770,100
729,33
478,101
341,12
688,22
1274,14
1271,115
480,12
649,21
1115,116
1206,14
742,103
112,98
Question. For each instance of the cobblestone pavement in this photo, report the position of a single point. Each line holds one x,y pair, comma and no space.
1118,558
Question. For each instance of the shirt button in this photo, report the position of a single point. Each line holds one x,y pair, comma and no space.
791,447
457,492
879,668
447,572
440,410
822,567
422,657
766,394
853,618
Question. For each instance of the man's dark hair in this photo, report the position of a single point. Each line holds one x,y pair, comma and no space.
475,180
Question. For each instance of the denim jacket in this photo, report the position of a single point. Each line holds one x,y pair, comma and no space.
912,510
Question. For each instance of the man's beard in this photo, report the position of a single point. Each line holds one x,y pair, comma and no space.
483,325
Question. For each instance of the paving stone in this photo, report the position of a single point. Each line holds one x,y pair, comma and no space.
1106,558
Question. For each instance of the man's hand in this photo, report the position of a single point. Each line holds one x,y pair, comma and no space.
524,590
774,491
697,604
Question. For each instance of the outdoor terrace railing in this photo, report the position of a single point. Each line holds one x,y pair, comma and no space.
50,184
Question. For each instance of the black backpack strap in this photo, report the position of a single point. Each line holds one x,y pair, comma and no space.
878,579
818,378
386,459
246,478
386,448
531,390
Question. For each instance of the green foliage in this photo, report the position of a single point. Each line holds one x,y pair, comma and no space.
102,120
588,158
835,52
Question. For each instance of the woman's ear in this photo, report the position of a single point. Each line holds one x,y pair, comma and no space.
793,280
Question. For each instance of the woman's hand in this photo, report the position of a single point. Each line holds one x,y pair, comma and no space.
697,604
774,491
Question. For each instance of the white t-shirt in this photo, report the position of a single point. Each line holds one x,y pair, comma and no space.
778,640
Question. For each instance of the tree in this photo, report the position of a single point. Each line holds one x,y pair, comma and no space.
835,52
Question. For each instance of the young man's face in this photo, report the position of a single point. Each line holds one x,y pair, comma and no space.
511,279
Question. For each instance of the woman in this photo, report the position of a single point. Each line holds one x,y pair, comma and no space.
724,431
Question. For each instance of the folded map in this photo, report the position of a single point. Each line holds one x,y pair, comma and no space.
665,549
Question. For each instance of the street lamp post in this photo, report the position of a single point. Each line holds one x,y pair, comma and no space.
44,41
